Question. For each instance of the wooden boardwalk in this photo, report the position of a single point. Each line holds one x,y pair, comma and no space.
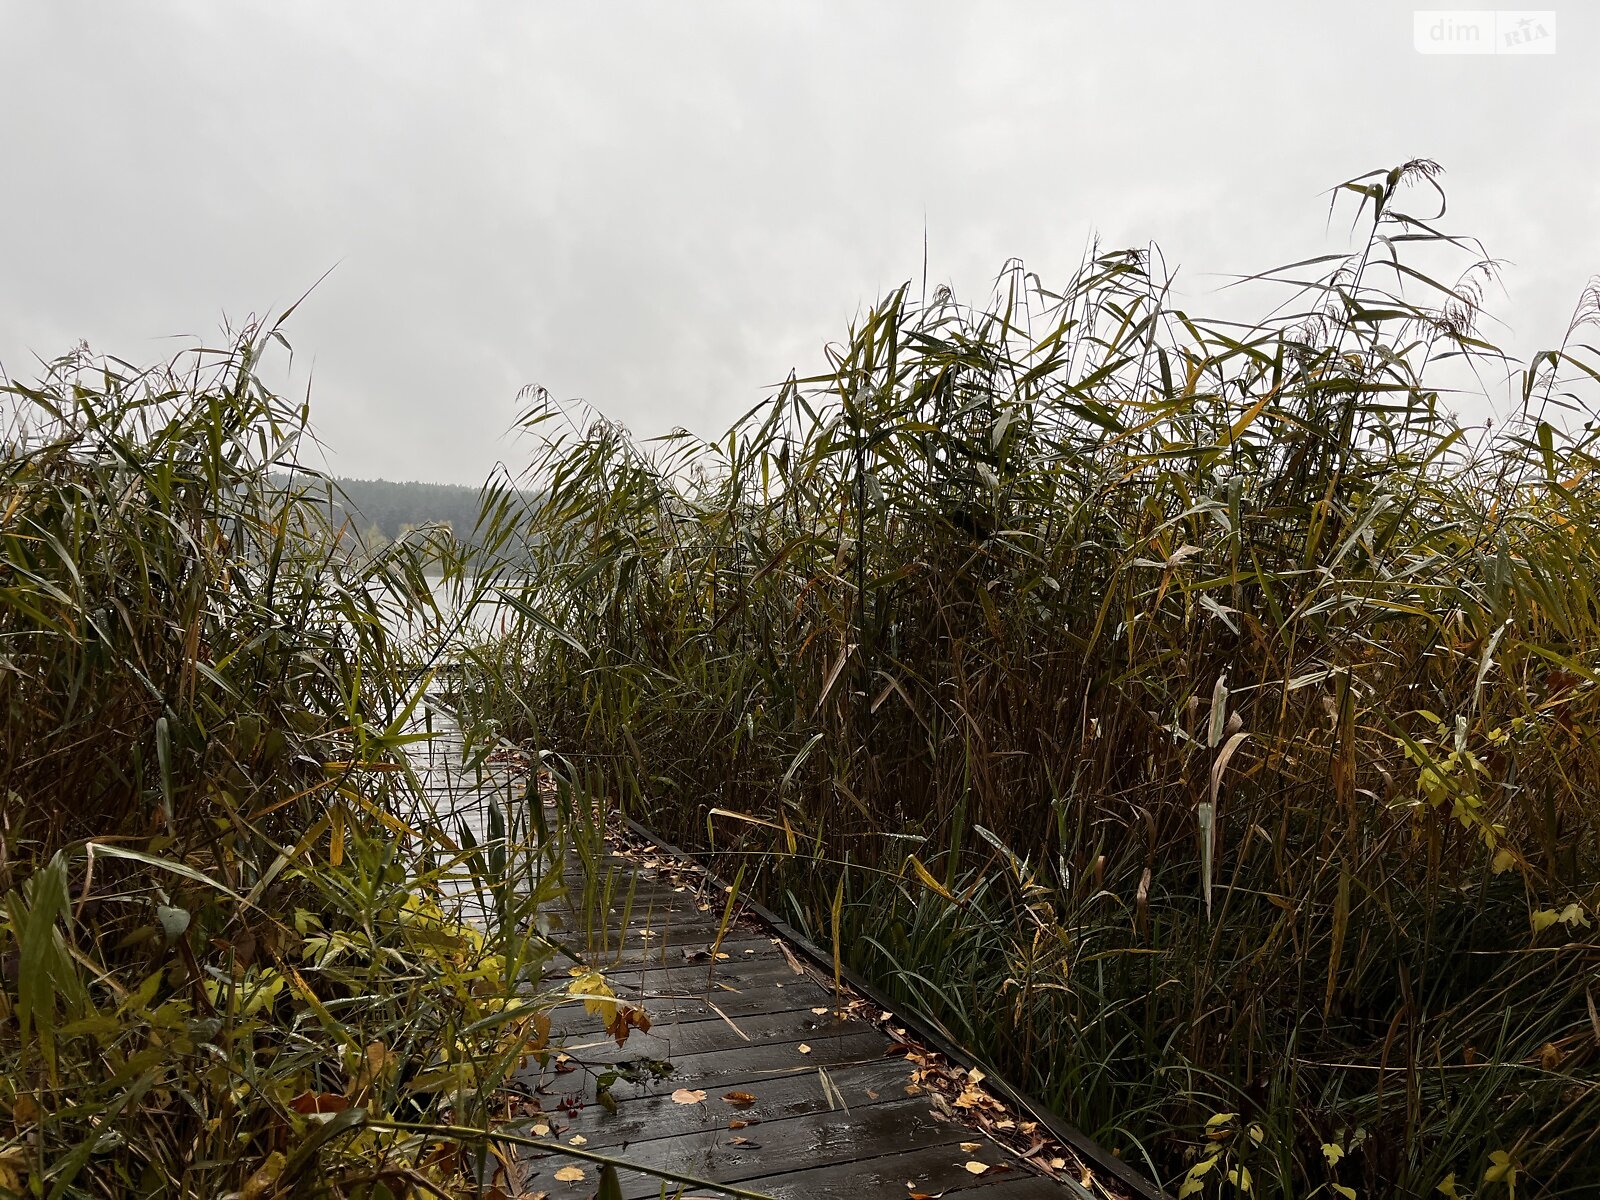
754,1073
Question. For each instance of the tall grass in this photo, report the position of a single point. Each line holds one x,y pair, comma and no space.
231,962
1193,715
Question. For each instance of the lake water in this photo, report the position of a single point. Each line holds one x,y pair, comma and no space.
470,612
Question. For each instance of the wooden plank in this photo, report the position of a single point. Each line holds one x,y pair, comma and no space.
935,1170
722,1069
611,955
571,1018
765,968
649,1117
681,919
799,1144
682,1016
677,1043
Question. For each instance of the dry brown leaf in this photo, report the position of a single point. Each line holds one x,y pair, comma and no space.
627,1017
315,1102
738,1099
969,1098
570,1175
803,1048
974,1167
25,1110
688,1096
375,1061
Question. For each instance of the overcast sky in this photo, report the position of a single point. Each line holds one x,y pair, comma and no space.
662,207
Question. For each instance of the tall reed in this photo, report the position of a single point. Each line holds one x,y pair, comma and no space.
1194,715
230,958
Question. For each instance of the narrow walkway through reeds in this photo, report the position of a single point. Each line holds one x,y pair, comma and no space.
754,1072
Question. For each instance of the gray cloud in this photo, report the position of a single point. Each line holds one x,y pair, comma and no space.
663,207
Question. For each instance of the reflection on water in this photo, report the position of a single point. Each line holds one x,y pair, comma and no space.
492,857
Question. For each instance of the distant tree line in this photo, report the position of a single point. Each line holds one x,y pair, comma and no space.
390,507
375,512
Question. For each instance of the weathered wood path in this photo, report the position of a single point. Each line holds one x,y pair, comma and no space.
842,1106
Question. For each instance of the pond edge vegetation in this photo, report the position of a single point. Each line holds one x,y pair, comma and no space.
240,953
1192,716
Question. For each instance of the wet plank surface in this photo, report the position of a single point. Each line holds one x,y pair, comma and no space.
753,1073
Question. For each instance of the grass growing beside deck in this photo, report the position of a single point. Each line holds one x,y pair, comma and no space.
1194,716
227,964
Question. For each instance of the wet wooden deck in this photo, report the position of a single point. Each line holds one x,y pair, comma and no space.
841,1102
